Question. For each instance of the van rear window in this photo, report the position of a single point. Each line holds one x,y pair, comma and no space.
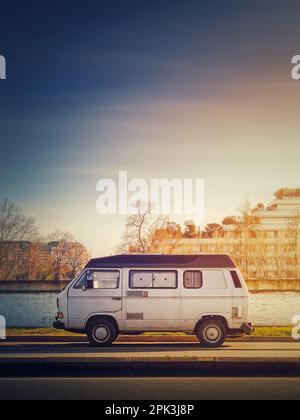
192,280
236,280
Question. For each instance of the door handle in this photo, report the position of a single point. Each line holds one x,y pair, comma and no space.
116,298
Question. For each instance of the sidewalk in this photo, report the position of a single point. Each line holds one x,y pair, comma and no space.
152,359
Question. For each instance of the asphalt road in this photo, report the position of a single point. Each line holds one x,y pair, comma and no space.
113,389
78,371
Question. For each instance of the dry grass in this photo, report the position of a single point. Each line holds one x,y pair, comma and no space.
273,332
259,332
36,332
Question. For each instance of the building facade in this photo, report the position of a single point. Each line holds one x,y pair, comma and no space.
265,244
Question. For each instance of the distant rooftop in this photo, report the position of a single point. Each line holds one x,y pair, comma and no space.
287,193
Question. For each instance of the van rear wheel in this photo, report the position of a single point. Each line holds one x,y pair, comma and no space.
211,333
102,333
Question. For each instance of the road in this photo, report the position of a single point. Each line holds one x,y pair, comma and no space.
156,371
177,352
160,388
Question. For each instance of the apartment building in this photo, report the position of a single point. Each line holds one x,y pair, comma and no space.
266,247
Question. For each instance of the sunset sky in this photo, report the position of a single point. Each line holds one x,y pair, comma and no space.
188,89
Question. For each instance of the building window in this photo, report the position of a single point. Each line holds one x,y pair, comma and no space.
192,280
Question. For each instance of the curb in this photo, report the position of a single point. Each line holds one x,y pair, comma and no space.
129,360
128,367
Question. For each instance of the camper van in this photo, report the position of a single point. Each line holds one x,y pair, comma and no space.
204,295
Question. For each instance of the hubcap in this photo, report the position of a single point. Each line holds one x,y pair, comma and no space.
101,334
212,334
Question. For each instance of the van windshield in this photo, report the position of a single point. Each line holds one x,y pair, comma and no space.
81,281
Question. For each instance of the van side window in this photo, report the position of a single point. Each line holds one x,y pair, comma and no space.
153,280
214,280
192,280
236,280
103,279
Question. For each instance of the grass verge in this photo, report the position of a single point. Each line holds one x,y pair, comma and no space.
37,332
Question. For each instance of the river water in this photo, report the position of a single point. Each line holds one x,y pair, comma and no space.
38,309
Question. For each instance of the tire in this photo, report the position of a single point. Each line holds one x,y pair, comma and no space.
102,333
211,333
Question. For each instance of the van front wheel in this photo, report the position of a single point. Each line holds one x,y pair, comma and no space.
101,333
211,333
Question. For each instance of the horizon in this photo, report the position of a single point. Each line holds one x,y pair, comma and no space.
113,252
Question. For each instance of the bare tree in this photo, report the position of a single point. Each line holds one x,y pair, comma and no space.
190,231
141,229
58,243
67,257
167,239
294,241
260,260
15,229
248,236
76,258
280,253
38,261
213,230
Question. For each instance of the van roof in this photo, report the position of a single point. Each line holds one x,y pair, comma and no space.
178,261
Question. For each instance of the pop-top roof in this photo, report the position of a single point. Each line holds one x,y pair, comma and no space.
175,261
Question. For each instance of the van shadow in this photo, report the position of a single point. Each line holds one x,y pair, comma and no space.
115,348
165,347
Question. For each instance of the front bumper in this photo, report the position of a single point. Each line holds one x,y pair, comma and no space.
248,328
58,325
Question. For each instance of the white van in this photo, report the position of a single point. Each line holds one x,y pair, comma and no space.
204,295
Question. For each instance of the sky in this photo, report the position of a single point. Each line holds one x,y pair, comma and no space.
160,88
